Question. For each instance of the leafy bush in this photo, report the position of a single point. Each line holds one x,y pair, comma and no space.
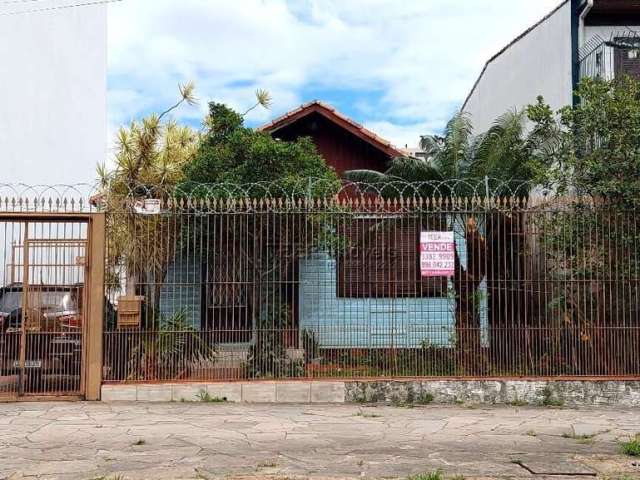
268,353
168,352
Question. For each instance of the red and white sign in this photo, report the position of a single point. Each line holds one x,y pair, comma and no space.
437,254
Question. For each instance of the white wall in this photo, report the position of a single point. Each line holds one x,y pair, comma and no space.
537,64
52,92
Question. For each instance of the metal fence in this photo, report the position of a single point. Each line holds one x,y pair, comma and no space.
42,305
612,58
362,286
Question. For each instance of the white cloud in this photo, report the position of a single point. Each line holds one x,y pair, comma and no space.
420,57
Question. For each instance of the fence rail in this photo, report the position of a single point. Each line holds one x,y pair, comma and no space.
341,287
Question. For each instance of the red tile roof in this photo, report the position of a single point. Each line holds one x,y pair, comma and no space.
336,117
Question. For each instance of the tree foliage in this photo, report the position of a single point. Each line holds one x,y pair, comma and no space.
601,140
232,153
150,156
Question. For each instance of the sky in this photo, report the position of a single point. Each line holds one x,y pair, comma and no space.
399,67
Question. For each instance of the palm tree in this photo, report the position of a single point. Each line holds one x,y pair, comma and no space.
150,156
448,157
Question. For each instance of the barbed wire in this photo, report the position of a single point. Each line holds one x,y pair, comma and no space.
87,197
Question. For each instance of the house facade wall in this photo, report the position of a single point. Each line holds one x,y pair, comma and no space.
340,149
377,322
539,63
52,92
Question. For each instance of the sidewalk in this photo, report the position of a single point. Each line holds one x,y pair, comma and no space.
209,440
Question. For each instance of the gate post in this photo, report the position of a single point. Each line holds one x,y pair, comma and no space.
95,312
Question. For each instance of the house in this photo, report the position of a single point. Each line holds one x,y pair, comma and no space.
371,296
374,296
579,38
342,142
53,90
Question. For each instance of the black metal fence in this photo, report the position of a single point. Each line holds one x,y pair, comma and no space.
362,286
612,58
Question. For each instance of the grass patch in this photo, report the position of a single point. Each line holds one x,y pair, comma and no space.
437,475
632,447
425,398
549,400
532,433
203,396
518,403
581,439
268,464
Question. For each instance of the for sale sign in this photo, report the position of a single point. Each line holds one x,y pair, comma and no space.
437,254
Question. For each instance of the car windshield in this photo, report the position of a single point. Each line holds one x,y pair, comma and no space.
52,301
10,301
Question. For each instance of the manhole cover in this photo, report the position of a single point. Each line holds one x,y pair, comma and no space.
550,465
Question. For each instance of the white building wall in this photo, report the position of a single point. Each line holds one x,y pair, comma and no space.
53,110
537,64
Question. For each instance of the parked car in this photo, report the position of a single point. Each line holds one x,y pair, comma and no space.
53,328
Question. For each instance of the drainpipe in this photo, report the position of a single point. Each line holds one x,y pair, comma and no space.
583,17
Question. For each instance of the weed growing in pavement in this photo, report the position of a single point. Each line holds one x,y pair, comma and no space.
204,396
632,447
437,475
583,439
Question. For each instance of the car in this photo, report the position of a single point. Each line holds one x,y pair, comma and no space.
53,339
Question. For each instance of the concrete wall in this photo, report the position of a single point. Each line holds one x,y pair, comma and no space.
551,393
52,92
537,64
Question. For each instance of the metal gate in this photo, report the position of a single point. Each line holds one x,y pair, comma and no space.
45,305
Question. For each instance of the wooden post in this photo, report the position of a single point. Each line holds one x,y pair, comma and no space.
94,286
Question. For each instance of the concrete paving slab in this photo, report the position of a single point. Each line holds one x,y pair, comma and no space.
552,464
196,440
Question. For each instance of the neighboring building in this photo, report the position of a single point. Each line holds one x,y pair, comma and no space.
344,144
53,112
578,38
